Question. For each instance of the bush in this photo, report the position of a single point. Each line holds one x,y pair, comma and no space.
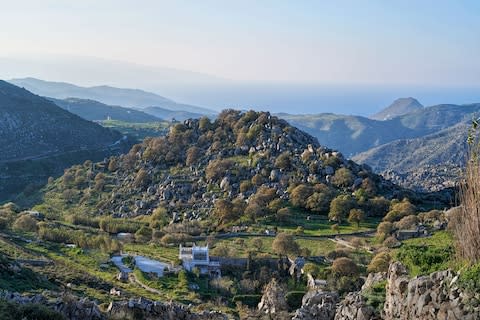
25,223
470,278
422,259
379,263
251,300
344,267
375,295
13,311
294,299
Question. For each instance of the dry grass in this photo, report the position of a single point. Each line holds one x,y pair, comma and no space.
466,224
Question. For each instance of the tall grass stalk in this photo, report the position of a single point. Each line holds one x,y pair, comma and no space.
467,225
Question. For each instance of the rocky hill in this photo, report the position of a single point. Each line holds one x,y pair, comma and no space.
399,107
40,139
237,157
109,95
93,110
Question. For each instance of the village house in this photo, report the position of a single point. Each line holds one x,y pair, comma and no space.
198,257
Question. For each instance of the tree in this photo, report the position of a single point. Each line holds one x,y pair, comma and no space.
300,194
340,208
25,223
284,214
356,216
159,218
320,200
257,243
335,228
283,161
344,267
141,179
99,181
284,243
379,263
311,268
113,165
193,154
343,178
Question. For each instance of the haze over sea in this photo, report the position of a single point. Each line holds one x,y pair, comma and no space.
296,98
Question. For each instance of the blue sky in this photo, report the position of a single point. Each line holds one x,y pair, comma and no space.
333,42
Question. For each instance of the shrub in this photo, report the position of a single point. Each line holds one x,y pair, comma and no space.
470,278
422,259
375,295
294,299
380,262
344,267
251,300
25,223
407,222
284,243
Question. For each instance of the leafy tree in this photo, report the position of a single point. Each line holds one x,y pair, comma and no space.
284,243
159,218
217,168
283,161
356,216
344,267
25,223
193,154
343,178
340,208
300,194
141,179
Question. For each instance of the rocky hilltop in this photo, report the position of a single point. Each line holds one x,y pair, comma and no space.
199,162
399,107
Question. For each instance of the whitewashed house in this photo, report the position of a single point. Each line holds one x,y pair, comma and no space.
198,257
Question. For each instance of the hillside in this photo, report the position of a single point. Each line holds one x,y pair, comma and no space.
354,134
198,162
33,127
170,114
40,139
448,146
106,94
399,107
93,110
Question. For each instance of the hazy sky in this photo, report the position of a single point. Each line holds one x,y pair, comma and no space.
391,42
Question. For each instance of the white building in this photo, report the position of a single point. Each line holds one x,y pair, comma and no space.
198,257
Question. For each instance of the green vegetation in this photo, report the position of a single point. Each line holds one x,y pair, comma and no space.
12,311
426,255
139,131
375,295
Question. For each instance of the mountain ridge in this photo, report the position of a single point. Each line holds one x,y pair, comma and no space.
126,97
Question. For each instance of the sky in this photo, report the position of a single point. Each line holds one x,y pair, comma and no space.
409,42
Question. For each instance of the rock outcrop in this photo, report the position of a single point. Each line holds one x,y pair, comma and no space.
427,297
69,306
151,310
317,305
273,299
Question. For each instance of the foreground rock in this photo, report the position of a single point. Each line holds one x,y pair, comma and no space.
273,299
317,305
428,297
149,310
74,308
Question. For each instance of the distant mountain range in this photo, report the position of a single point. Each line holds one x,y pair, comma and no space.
355,134
398,108
447,146
93,110
130,98
40,139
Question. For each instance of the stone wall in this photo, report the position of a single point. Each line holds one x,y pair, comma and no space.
435,296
